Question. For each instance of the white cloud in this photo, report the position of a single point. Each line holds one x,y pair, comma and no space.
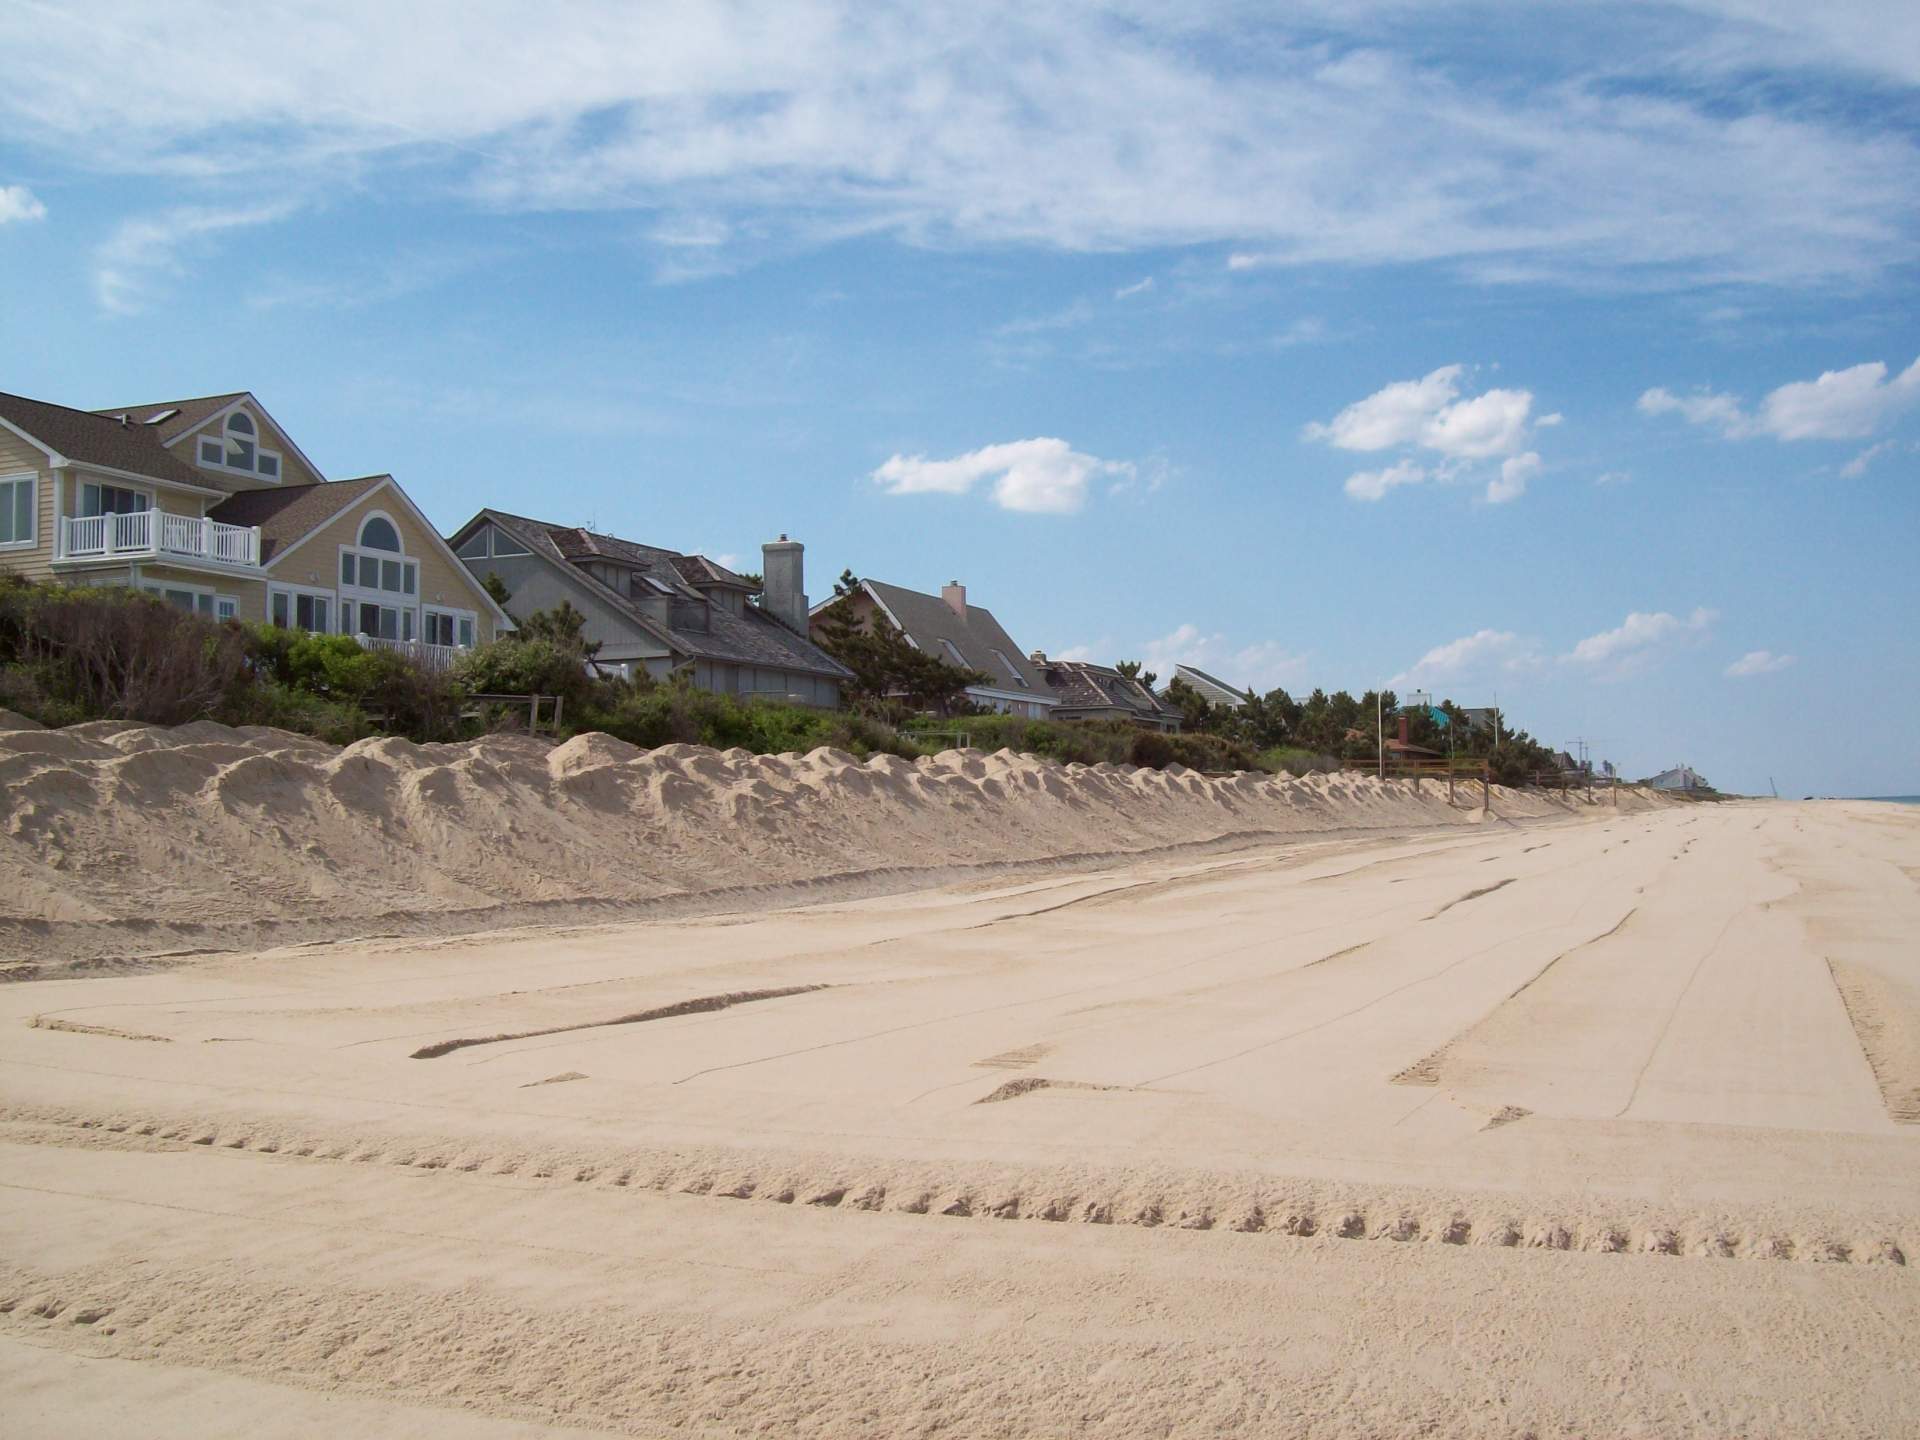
1480,655
144,252
1845,404
1480,428
1428,414
1701,407
1262,666
1641,632
1043,476
1511,483
1857,466
1139,287
1848,404
1395,414
1758,662
1374,484
1613,477
18,203
1325,136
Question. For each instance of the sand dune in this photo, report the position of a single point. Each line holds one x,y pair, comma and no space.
1379,1121
128,839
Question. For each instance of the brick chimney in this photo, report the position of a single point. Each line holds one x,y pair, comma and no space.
783,581
955,594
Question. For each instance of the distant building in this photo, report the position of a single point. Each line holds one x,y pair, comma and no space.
1681,777
661,612
1099,692
1481,717
1210,688
967,636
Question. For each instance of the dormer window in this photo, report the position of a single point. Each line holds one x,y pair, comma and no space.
1008,666
953,652
237,448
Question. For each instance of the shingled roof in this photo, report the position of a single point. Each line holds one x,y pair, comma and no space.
288,512
1084,686
90,439
1213,689
928,620
754,637
181,415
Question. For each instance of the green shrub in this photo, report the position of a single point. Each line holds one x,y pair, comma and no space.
1151,750
534,666
114,653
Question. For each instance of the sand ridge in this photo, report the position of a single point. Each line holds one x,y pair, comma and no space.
1590,1122
128,839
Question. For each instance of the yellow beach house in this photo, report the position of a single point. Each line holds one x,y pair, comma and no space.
211,506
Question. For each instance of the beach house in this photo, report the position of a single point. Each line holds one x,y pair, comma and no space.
1100,692
1210,688
211,506
947,627
661,612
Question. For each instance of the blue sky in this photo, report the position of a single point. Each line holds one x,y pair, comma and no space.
1560,353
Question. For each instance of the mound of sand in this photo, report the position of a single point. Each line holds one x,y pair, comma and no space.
132,826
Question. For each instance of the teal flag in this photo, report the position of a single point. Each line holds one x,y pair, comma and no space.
1439,716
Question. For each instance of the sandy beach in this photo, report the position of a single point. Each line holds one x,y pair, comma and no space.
978,1097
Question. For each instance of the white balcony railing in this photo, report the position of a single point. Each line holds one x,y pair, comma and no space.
147,533
433,657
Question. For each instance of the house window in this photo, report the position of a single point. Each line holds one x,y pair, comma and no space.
1007,665
112,500
953,653
193,600
378,533
302,610
18,506
387,622
237,447
448,627
225,607
378,564
489,540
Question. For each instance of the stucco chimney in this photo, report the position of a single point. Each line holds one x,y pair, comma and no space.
955,594
784,581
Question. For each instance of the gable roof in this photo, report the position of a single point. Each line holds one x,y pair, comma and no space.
1213,689
291,512
928,620
180,415
99,440
1084,686
755,637
174,420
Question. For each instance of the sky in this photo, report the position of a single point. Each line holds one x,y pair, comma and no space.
1559,355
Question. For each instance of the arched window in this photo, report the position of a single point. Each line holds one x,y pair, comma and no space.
379,534
238,448
240,435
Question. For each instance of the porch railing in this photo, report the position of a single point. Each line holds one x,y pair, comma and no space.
155,532
433,657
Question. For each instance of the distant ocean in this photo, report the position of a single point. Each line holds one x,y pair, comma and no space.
1895,799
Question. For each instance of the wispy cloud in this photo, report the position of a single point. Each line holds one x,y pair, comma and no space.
1330,139
1631,642
1848,404
1139,287
1428,414
18,204
1042,476
1484,655
1858,465
1260,665
145,252
1758,662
